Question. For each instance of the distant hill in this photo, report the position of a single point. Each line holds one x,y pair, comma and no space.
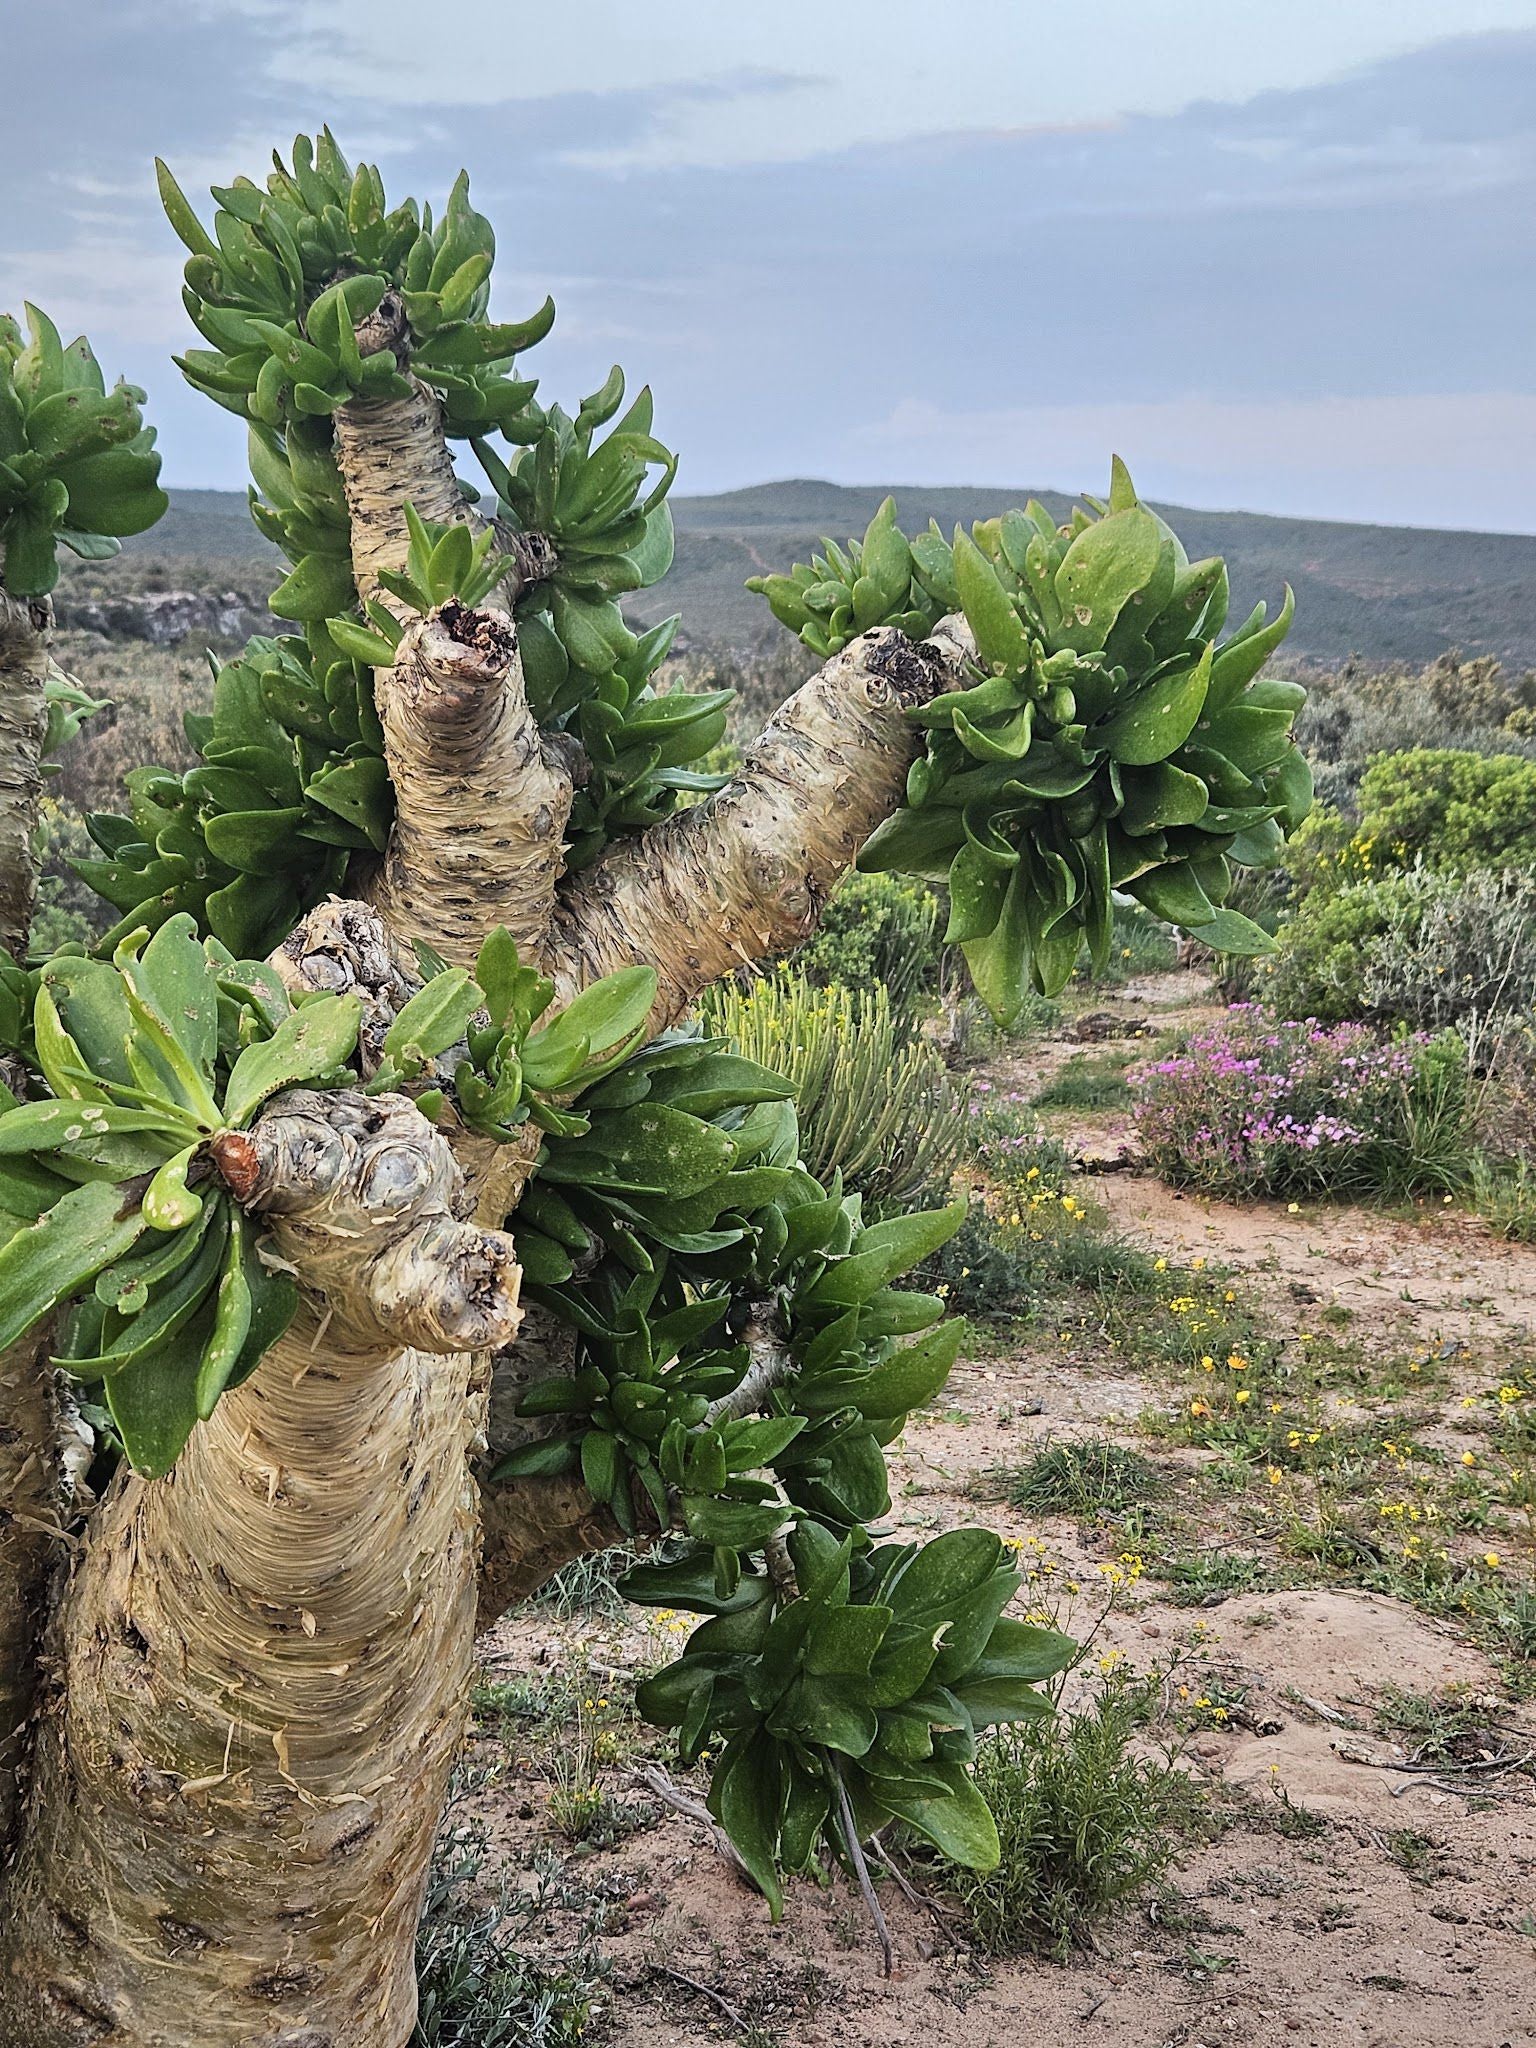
1389,593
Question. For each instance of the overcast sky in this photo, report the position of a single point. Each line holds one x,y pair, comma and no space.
1278,253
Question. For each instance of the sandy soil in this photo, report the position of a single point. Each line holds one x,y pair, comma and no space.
1400,1912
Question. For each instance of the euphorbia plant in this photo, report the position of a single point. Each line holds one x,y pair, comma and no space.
437,1246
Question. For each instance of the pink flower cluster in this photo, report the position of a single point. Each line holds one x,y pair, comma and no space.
1258,1104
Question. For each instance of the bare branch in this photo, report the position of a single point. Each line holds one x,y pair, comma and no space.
745,874
482,797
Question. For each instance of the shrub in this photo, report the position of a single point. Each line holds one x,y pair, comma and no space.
1254,1105
1353,714
1450,809
875,1101
1423,948
878,931
1007,1143
1085,1823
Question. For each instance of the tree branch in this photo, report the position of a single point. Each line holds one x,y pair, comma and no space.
26,626
369,1205
392,451
746,873
482,796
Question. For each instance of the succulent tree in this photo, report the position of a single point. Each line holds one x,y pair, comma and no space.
377,1232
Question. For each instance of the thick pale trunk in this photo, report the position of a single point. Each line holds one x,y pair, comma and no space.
746,874
258,1677
256,1696
391,452
482,797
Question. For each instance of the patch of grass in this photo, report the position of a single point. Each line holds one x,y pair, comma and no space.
1419,1855
1091,1478
1088,1081
477,1988
1430,1721
1201,1578
530,1703
588,1586
1085,1823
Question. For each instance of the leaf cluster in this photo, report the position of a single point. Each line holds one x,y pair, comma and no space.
881,580
110,1206
854,1698
1110,741
294,268
77,464
291,784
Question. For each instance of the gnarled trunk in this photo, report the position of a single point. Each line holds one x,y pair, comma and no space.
255,1683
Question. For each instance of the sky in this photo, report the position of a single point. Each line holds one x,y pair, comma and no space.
1276,253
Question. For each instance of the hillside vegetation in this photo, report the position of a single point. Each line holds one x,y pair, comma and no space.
1389,593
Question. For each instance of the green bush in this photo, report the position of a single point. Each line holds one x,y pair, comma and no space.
878,931
1425,948
1085,1823
1320,967
875,1101
1450,809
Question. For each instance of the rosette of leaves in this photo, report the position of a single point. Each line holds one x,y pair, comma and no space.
109,1197
293,268
682,1198
587,673
503,1070
1109,742
844,591
291,784
77,464
855,1381
853,1699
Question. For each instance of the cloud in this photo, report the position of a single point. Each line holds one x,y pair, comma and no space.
1449,459
802,230
861,73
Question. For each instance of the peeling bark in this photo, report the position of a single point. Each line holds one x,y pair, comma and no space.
481,795
32,1541
745,874
391,451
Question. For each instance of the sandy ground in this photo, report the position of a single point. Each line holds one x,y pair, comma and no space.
1402,1914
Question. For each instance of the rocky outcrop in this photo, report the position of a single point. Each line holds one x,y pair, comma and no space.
164,617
